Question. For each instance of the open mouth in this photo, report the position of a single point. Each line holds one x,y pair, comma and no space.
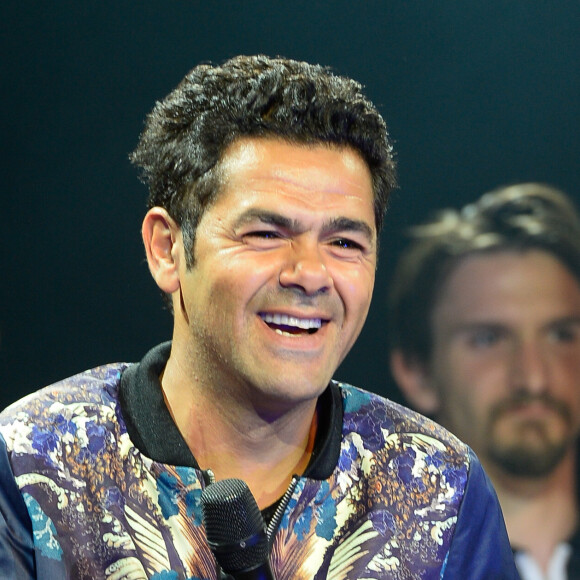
290,325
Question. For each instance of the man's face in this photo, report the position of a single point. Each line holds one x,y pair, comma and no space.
284,271
506,359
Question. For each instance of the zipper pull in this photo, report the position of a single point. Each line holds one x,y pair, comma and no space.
208,477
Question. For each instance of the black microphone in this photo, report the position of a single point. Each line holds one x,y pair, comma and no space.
235,530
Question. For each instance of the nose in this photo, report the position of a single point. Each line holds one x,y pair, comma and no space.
530,369
305,269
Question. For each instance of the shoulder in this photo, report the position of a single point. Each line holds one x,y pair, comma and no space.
63,406
420,487
378,419
390,442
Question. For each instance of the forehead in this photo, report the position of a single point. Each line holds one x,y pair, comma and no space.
312,174
507,286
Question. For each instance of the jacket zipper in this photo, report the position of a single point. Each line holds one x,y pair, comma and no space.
277,517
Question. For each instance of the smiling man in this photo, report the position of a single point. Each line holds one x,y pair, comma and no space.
268,182
485,313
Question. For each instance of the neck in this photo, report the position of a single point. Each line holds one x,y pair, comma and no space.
539,512
237,440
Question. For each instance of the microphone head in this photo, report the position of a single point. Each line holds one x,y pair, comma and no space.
234,525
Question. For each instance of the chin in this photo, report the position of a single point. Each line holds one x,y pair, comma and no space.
525,460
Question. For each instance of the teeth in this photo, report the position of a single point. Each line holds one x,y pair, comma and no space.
282,333
285,320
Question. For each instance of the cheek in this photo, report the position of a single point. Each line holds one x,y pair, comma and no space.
485,370
355,286
565,380
210,297
238,279
469,383
568,364
464,411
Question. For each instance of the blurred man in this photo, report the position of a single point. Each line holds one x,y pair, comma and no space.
485,329
268,181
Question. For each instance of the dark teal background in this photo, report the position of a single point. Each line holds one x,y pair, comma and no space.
476,94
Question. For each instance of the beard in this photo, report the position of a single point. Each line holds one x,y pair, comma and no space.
532,451
521,460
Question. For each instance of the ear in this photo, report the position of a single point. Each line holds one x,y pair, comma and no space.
413,379
163,244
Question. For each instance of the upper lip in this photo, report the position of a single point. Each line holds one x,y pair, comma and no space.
285,319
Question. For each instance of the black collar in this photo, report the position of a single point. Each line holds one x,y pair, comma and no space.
152,430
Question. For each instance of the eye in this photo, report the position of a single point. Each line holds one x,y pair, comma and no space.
263,234
484,337
347,244
262,239
564,333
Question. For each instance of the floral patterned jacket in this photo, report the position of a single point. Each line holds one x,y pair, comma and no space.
79,498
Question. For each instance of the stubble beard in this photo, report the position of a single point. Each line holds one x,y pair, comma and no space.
532,451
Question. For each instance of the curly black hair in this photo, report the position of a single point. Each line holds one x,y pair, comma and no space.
187,133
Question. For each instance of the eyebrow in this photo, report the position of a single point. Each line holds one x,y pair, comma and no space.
278,220
471,326
570,319
465,327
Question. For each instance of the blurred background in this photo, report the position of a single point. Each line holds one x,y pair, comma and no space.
476,95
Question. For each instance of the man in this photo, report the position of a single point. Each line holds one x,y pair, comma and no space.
268,180
485,327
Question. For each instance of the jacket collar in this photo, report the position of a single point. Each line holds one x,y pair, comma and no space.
153,431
